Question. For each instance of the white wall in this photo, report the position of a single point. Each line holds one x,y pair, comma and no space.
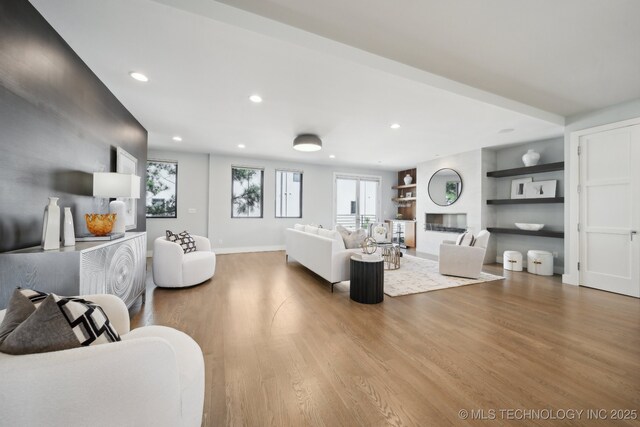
259,234
615,113
193,193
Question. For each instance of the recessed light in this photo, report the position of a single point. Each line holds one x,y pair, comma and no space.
139,76
507,130
379,161
395,126
177,138
332,156
241,146
255,98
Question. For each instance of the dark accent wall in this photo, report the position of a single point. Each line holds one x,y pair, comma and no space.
58,124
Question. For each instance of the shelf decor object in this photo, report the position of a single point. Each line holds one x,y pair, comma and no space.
51,225
531,158
69,232
529,227
540,189
100,224
408,179
517,187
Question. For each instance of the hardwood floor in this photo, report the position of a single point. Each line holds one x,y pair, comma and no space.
281,350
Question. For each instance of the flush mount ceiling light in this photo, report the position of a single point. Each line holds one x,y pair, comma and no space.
241,145
177,138
332,156
395,126
139,76
507,130
255,98
307,142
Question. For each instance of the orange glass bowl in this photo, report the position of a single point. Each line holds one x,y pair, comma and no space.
100,224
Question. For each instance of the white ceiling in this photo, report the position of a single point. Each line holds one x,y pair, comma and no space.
567,56
205,59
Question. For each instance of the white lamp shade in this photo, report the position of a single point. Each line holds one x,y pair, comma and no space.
111,185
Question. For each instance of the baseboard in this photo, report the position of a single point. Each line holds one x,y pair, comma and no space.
570,279
247,249
556,268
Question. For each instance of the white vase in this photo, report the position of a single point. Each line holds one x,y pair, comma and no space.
531,158
51,225
69,233
408,179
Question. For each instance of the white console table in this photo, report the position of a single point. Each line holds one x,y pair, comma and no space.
115,267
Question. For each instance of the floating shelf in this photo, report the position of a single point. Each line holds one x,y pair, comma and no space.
549,167
400,187
539,233
525,201
403,199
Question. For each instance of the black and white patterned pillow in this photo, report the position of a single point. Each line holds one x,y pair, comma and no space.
184,239
466,239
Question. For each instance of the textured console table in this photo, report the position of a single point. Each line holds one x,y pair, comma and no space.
115,267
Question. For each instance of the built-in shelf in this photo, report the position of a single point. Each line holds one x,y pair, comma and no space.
548,167
539,233
402,187
525,201
404,199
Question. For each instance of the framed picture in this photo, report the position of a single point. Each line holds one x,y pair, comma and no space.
517,187
540,189
126,163
408,194
162,189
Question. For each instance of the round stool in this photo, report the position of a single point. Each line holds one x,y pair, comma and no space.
512,260
540,263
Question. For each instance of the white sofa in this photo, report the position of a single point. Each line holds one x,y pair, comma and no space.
326,256
464,261
153,377
172,268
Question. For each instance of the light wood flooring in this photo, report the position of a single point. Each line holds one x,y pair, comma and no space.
281,350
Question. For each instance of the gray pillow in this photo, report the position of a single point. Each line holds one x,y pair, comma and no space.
52,323
352,239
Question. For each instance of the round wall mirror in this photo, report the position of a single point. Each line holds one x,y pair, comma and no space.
445,187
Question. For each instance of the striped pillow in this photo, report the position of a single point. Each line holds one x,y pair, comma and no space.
466,239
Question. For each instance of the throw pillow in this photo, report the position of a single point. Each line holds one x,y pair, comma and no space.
311,229
299,227
352,239
52,323
184,239
466,239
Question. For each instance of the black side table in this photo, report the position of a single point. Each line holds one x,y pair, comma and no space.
367,280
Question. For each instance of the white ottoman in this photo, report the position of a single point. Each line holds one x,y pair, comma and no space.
540,262
512,260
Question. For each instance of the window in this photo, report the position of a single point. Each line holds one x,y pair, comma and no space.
357,201
162,185
246,192
288,194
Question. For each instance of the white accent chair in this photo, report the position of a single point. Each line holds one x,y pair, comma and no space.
153,377
464,261
172,268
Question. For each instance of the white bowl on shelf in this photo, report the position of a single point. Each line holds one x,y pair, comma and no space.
529,227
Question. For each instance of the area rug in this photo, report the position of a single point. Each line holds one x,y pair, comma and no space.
417,275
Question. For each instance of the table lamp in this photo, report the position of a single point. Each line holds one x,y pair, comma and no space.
111,185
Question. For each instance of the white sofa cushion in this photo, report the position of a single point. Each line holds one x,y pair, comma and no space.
334,235
299,227
311,229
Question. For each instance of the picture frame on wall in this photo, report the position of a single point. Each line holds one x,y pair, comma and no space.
126,163
517,187
540,189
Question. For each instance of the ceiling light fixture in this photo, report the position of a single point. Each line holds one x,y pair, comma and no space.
307,142
177,138
241,146
395,126
255,99
332,156
139,76
507,130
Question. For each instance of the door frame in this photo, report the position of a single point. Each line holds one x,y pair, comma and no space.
357,176
572,274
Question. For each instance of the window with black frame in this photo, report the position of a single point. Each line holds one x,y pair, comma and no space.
288,194
246,192
162,189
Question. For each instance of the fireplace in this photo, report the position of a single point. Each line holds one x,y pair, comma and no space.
450,223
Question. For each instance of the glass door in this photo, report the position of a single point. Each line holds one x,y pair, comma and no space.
357,201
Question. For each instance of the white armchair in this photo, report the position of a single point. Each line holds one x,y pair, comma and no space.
172,268
464,261
154,376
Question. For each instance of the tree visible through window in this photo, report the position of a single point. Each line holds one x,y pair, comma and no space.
246,192
288,194
162,184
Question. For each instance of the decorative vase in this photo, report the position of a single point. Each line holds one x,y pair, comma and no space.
69,234
100,224
531,158
51,225
408,179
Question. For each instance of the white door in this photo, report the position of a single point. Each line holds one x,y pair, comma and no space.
610,210
357,202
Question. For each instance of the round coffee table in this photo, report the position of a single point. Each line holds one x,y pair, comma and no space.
367,279
391,254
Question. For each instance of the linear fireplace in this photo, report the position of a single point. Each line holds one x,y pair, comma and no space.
451,223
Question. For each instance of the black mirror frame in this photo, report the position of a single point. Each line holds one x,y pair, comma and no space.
429,186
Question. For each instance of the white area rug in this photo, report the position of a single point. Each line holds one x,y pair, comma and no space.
417,275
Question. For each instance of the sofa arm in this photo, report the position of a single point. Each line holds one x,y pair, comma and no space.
167,262
127,383
115,309
202,243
